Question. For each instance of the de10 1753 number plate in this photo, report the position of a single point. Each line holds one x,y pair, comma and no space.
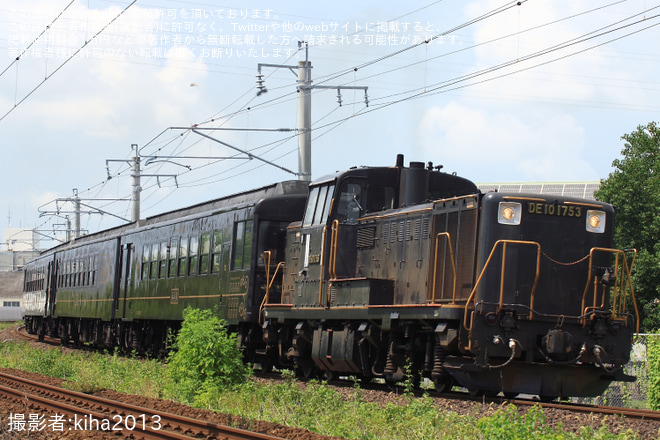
554,209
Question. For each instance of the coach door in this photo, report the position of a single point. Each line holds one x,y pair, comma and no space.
124,272
51,288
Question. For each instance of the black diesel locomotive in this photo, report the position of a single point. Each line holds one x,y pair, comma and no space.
374,272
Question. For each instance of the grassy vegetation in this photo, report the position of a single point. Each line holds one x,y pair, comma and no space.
315,407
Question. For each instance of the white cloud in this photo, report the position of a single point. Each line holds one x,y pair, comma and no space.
593,77
504,146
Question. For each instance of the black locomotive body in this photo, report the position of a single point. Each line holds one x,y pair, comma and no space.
411,271
375,272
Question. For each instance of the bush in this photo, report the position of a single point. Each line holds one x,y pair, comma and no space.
205,358
653,368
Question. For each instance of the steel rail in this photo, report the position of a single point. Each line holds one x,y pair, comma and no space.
72,403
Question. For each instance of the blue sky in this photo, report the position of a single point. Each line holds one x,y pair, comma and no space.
540,91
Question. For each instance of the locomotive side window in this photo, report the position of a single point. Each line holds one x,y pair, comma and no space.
350,202
380,198
217,251
192,255
183,253
242,245
174,245
205,249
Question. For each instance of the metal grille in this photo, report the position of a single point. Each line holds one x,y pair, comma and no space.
366,237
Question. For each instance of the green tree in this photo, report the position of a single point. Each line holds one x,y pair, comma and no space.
633,188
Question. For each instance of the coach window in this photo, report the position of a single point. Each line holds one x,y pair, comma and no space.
217,251
154,260
146,256
192,252
242,245
205,250
183,253
162,266
85,273
174,245
67,277
92,281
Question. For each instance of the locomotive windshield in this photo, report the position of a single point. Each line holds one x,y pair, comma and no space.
318,207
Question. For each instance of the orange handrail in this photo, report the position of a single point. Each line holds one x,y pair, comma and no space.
483,271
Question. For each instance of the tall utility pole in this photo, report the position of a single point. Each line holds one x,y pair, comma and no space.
305,120
135,194
76,214
304,73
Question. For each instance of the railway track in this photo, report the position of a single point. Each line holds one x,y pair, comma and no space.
635,413
636,417
58,409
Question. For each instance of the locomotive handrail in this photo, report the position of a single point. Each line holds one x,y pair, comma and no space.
502,271
621,286
266,255
435,265
321,269
332,265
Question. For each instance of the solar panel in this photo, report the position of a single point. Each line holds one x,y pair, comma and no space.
584,190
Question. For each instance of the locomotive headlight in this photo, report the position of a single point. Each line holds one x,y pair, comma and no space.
509,213
595,221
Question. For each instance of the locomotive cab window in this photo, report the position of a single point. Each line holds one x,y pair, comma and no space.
380,198
318,206
351,201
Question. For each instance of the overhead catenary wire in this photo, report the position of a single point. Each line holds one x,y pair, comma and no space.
439,87
43,32
66,61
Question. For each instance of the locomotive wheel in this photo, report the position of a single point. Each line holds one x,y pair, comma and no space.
547,399
305,368
443,385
